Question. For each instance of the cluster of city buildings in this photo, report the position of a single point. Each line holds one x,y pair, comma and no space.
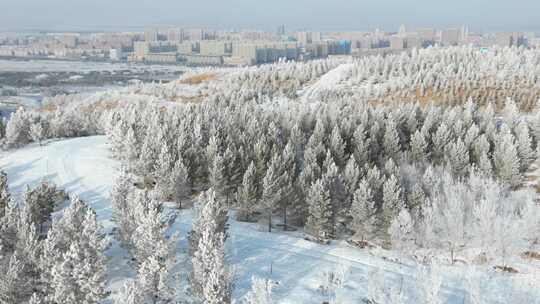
196,46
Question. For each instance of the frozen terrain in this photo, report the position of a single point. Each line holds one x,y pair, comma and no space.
82,166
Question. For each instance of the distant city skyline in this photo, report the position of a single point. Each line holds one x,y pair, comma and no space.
320,15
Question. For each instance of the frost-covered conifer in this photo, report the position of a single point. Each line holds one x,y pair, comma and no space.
149,237
36,132
13,282
506,160
524,145
5,196
247,194
392,202
218,175
319,221
181,182
73,264
211,278
392,147
419,147
337,147
18,128
458,158
363,211
271,194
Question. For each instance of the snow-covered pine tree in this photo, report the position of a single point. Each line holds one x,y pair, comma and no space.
271,194
211,278
506,160
164,178
392,146
18,128
419,148
363,211
351,176
392,203
36,132
207,208
121,207
361,145
247,195
130,293
181,182
440,139
524,145
457,156
5,196
13,282
319,222
41,202
149,238
218,175
337,147
152,282
73,263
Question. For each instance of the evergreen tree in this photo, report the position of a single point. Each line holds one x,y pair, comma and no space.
41,202
218,175
351,176
419,147
337,147
524,145
73,263
392,147
211,278
363,211
271,195
458,158
392,202
121,206
149,237
506,160
181,182
18,128
319,222
13,283
5,196
247,194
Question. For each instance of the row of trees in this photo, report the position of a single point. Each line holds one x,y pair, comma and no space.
444,75
143,228
331,167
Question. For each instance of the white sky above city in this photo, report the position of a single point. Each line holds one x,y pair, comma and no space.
481,15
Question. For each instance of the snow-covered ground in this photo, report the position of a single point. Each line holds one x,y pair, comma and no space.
82,166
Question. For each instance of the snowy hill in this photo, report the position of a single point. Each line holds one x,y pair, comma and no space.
83,167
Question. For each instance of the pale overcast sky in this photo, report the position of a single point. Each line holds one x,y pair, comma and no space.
484,15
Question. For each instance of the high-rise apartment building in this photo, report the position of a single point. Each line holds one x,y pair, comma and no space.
175,34
151,34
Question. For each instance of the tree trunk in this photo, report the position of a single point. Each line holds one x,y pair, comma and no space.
270,222
285,218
